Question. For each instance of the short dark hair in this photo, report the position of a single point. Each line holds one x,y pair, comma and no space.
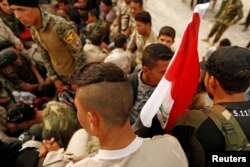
143,17
120,40
168,31
105,88
107,2
94,12
95,38
155,52
140,2
225,42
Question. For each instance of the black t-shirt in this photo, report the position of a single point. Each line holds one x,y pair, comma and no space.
209,137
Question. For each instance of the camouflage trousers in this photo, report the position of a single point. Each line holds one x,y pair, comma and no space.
218,29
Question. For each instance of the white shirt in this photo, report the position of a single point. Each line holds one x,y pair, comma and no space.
121,58
158,152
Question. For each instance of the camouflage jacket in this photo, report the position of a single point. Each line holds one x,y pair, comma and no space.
97,27
66,32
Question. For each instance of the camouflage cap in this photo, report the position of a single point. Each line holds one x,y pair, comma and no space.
60,122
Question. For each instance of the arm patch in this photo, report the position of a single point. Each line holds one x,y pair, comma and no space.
72,39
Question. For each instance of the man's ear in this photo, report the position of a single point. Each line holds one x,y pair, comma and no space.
145,69
93,120
213,81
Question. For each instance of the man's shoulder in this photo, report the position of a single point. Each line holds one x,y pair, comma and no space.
162,140
166,147
193,118
1,21
60,23
84,162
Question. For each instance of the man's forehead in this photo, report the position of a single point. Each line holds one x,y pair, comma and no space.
4,2
166,37
16,7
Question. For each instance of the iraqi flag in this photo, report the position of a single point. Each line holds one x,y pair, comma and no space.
175,91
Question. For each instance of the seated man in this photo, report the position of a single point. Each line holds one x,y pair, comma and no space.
226,80
119,55
95,50
19,70
104,99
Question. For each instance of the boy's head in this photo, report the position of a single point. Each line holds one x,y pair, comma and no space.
224,42
166,36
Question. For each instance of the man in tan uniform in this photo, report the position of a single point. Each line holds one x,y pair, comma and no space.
141,37
56,38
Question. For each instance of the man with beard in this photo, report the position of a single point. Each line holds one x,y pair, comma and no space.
206,131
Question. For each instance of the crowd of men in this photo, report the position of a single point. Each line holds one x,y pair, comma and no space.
75,74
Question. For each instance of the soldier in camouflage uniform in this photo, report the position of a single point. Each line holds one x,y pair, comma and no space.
60,122
232,12
96,25
56,38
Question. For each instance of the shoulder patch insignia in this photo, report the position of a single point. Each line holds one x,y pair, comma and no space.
72,38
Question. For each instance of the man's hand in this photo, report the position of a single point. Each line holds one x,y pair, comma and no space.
8,70
19,46
48,145
60,85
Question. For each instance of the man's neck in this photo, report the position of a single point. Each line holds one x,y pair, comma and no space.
237,97
144,78
39,22
117,138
